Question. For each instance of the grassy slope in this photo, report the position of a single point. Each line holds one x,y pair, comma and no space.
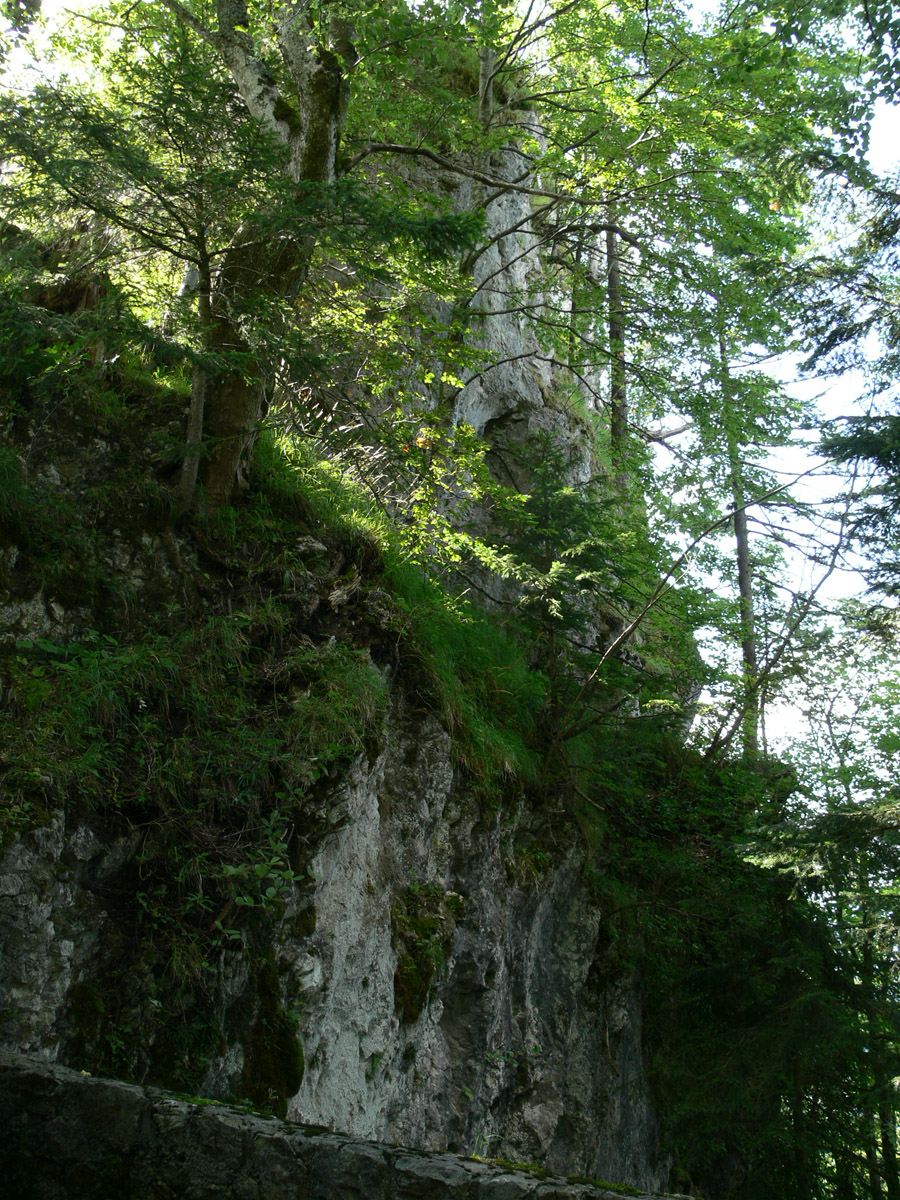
196,686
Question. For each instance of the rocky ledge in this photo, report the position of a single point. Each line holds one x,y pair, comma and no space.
70,1136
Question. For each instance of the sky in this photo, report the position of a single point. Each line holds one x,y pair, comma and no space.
884,146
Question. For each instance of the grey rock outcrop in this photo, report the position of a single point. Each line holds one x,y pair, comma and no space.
523,1042
517,391
65,1136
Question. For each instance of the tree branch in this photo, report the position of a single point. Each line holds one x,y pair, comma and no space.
187,18
503,185
567,730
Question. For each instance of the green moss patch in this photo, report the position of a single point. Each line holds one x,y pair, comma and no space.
423,920
273,1069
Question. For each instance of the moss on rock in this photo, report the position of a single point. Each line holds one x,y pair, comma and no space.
423,920
273,1069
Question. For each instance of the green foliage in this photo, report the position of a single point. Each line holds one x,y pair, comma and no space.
47,535
197,742
423,920
94,705
507,684
873,444
206,740
488,696
723,948
205,698
475,671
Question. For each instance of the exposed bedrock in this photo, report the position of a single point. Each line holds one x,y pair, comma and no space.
442,979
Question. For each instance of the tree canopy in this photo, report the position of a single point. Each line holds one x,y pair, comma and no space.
309,221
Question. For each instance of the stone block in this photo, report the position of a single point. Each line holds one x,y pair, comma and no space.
65,1136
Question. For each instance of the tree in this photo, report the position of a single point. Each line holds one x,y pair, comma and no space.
840,843
304,112
165,156
171,156
872,443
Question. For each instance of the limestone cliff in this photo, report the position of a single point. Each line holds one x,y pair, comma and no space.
449,988
433,967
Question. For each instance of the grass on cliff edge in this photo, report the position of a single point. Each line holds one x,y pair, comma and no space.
181,714
476,671
506,678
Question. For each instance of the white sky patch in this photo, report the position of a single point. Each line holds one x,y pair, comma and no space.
35,61
884,140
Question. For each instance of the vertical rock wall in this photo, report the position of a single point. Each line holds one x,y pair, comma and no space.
454,992
444,968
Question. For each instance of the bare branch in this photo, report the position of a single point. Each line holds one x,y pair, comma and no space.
735,713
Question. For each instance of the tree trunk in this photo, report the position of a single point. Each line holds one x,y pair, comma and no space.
309,128
485,87
843,1176
573,301
801,1147
234,397
867,980
872,1167
187,482
881,1076
749,658
888,1128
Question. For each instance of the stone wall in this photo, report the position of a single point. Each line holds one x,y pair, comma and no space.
67,1136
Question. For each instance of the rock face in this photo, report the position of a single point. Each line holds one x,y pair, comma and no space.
64,1135
439,975
523,1047
518,394
454,993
